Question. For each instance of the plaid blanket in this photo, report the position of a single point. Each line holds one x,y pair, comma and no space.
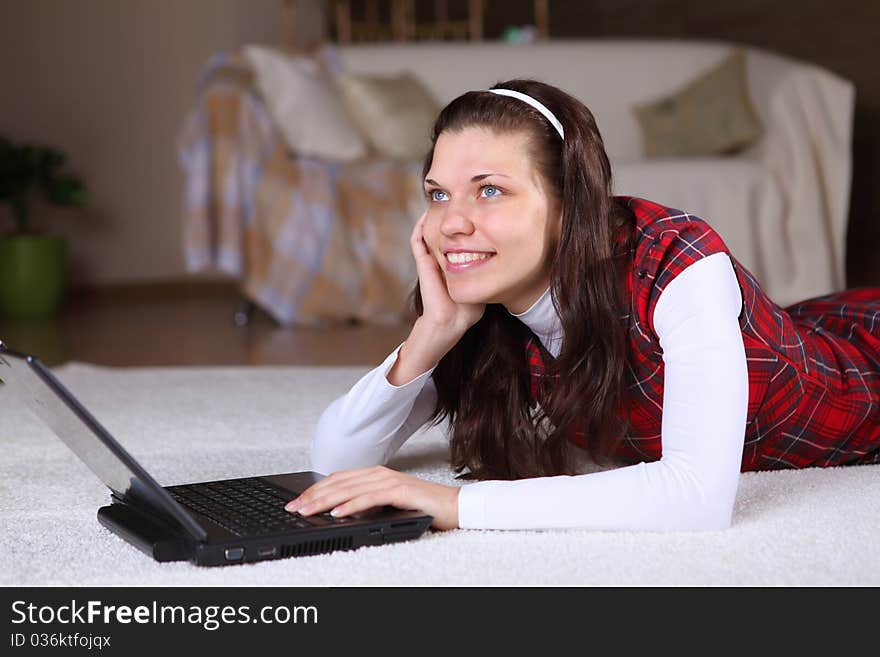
311,241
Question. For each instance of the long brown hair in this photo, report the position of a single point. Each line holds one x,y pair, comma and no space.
483,382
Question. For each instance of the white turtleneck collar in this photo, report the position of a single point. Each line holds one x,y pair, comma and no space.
542,319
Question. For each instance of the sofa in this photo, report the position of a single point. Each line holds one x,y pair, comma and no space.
780,201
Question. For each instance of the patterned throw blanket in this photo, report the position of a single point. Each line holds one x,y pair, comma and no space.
311,241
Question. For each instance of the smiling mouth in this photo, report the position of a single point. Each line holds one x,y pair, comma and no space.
459,261
462,258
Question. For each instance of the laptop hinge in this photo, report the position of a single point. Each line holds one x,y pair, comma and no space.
154,514
146,532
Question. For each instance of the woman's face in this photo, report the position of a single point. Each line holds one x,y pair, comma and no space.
490,224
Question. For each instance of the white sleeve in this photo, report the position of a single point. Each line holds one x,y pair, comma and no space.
705,403
368,424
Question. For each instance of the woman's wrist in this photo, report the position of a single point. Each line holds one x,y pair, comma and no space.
423,349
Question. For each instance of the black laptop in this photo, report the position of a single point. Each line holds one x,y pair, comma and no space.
211,523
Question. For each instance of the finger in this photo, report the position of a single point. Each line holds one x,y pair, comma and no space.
331,482
336,497
420,252
393,496
332,494
418,233
317,489
426,262
417,228
339,476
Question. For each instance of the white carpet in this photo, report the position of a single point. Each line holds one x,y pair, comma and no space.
790,528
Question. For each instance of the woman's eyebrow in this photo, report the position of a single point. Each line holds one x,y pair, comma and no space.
476,178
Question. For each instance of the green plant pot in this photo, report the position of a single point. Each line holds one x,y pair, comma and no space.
31,276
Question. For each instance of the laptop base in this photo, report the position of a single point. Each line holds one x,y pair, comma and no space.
157,541
163,543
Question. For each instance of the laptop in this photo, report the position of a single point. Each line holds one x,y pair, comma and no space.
212,523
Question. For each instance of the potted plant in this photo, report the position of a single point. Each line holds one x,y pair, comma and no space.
32,265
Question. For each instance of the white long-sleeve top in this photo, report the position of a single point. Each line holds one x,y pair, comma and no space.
705,401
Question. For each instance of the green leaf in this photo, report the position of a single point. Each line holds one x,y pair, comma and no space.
66,191
27,169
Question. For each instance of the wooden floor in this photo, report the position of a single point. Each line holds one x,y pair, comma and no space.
189,330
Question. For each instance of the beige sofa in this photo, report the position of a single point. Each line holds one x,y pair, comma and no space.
781,204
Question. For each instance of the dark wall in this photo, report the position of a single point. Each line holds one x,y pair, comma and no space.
842,36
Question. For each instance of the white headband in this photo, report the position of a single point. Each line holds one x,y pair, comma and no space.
534,103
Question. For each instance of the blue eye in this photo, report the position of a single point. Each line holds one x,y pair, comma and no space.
433,199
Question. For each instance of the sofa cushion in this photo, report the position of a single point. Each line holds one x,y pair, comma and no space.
712,115
305,105
395,113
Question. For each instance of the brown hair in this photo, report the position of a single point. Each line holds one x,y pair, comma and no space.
483,382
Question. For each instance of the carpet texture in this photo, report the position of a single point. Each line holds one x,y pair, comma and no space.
790,528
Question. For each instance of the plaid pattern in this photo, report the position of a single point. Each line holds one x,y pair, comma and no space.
311,241
814,366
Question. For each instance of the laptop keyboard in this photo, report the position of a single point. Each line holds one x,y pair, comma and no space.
248,507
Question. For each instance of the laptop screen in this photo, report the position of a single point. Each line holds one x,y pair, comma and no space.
53,403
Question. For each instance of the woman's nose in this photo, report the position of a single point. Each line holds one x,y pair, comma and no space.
454,221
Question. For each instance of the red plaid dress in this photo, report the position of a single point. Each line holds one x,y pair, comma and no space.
814,366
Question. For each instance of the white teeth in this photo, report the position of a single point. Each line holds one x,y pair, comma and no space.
458,258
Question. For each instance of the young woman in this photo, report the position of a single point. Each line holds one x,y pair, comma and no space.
553,316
